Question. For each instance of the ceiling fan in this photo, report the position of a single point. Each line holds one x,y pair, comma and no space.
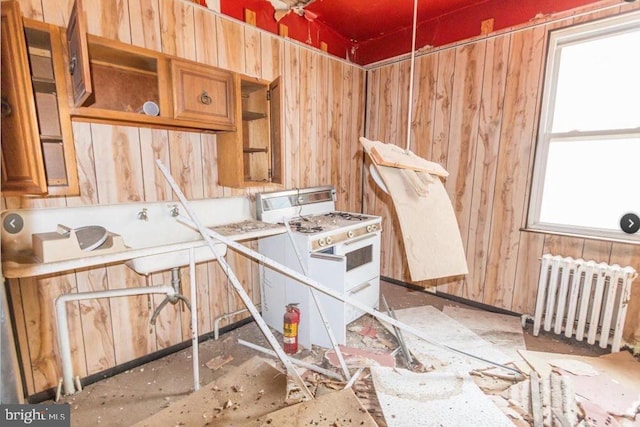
284,7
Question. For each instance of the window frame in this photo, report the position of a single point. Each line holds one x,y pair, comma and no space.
558,39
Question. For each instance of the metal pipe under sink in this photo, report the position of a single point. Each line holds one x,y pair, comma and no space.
63,324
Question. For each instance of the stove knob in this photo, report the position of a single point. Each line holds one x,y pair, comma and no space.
349,234
322,242
369,228
329,240
374,227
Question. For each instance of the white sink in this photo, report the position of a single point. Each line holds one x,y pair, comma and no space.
164,241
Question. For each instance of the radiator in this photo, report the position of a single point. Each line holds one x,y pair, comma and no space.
581,297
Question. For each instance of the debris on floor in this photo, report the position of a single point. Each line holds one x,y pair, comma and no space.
340,408
357,357
555,389
218,362
444,330
434,399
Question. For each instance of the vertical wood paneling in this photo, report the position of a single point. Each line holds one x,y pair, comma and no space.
252,52
486,159
57,13
525,285
463,135
108,18
14,290
177,28
130,316
324,145
334,108
210,167
33,9
96,321
291,116
145,24
118,173
154,145
230,36
424,105
308,125
562,245
85,162
186,163
523,73
205,34
442,119
272,54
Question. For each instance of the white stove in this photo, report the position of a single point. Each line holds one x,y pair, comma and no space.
341,250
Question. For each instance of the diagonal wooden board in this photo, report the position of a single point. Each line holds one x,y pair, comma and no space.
430,232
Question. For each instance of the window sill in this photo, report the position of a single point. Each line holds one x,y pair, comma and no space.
634,239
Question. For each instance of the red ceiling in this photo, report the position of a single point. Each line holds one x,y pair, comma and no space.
366,31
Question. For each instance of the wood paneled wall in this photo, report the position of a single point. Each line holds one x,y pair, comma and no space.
475,111
323,116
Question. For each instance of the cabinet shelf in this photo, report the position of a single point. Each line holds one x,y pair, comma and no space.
44,85
51,138
252,115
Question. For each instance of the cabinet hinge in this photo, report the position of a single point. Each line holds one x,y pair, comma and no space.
268,95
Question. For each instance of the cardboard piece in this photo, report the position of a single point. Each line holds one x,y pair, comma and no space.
429,227
246,393
340,408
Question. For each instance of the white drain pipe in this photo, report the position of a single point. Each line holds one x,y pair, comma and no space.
63,323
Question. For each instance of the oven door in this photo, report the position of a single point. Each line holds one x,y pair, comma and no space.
362,256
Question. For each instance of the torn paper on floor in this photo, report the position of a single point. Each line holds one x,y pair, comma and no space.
502,330
434,399
442,329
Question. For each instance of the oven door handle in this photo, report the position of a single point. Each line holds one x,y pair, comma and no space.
328,257
360,239
361,287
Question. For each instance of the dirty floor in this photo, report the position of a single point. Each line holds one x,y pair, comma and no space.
134,395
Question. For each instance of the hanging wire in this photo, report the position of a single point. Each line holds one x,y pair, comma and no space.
413,60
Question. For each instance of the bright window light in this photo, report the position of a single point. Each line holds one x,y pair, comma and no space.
587,166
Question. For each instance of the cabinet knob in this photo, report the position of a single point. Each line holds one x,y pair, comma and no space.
6,107
72,65
205,98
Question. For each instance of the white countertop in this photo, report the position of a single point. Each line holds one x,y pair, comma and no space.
23,263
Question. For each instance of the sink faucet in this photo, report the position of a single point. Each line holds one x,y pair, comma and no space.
175,211
143,214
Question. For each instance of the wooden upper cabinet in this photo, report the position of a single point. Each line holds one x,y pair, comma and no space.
22,160
112,81
253,155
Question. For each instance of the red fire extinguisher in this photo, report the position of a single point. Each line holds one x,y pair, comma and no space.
290,330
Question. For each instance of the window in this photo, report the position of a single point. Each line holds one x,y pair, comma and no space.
587,167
